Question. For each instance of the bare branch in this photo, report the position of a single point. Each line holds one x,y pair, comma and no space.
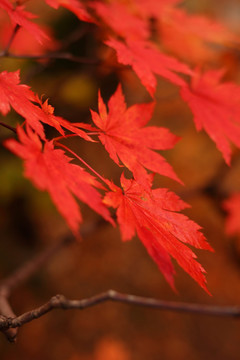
8,127
21,275
60,302
75,35
29,269
52,55
7,312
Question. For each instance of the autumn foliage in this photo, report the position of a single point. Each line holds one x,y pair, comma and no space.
180,49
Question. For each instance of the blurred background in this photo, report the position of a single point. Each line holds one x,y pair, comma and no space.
29,221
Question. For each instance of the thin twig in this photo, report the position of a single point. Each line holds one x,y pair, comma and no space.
60,302
52,55
76,35
28,269
7,312
4,53
32,266
8,127
21,275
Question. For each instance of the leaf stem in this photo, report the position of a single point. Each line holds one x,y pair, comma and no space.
5,52
64,137
82,161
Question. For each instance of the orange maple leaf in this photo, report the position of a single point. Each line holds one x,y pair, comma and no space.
216,108
189,36
195,41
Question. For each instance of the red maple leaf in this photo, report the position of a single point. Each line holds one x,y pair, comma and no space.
50,169
21,17
20,97
124,136
74,6
216,108
47,116
23,100
232,206
24,42
146,60
163,231
153,8
121,20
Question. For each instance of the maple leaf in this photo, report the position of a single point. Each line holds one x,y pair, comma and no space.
21,17
163,231
22,99
50,169
216,108
19,96
47,116
124,136
153,8
192,41
74,6
232,206
24,42
146,60
119,18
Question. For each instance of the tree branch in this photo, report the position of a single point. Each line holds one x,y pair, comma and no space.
8,127
30,267
7,312
21,275
60,302
27,270
4,53
52,55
